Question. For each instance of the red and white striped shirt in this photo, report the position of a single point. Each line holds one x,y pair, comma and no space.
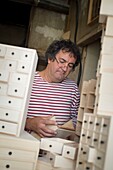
58,99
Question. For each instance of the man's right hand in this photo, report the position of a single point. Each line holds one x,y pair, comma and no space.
40,124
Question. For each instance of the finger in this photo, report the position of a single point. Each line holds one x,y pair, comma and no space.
46,134
50,122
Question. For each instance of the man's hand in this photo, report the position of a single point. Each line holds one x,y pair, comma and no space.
40,125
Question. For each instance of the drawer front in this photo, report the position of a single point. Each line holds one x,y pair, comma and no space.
2,50
23,67
24,142
106,63
27,55
9,115
70,151
15,165
13,154
9,65
103,142
6,127
4,76
105,126
11,103
19,78
3,88
53,145
99,160
60,161
105,78
16,90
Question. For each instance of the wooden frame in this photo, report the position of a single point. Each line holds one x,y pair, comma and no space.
94,7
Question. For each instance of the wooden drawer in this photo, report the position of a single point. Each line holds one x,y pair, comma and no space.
16,90
104,104
20,79
107,46
9,115
14,154
3,88
53,144
70,150
11,103
16,165
2,50
23,67
106,84
43,165
9,65
59,161
4,76
106,63
24,142
8,127
99,160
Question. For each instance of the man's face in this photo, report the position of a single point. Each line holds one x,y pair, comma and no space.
61,67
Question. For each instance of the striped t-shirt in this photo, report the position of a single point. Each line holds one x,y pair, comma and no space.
58,99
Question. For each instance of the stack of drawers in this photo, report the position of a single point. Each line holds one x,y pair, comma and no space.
57,153
18,149
96,142
87,101
18,153
104,87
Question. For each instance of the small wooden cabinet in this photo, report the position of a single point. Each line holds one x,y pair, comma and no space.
17,68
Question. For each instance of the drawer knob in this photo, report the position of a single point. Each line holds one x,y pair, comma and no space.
12,53
80,163
6,114
98,157
95,140
104,125
84,152
88,137
68,152
102,142
15,90
10,153
7,166
10,65
85,121
81,149
83,134
97,124
50,146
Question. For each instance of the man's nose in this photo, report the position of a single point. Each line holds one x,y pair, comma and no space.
65,66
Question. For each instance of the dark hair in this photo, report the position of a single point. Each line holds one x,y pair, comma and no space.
66,45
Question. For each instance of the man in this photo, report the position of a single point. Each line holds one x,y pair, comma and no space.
53,94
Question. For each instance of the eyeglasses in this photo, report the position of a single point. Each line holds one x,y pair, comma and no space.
63,62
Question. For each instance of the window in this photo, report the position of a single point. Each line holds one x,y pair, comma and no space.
94,8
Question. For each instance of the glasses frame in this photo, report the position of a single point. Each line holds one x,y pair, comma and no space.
70,65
